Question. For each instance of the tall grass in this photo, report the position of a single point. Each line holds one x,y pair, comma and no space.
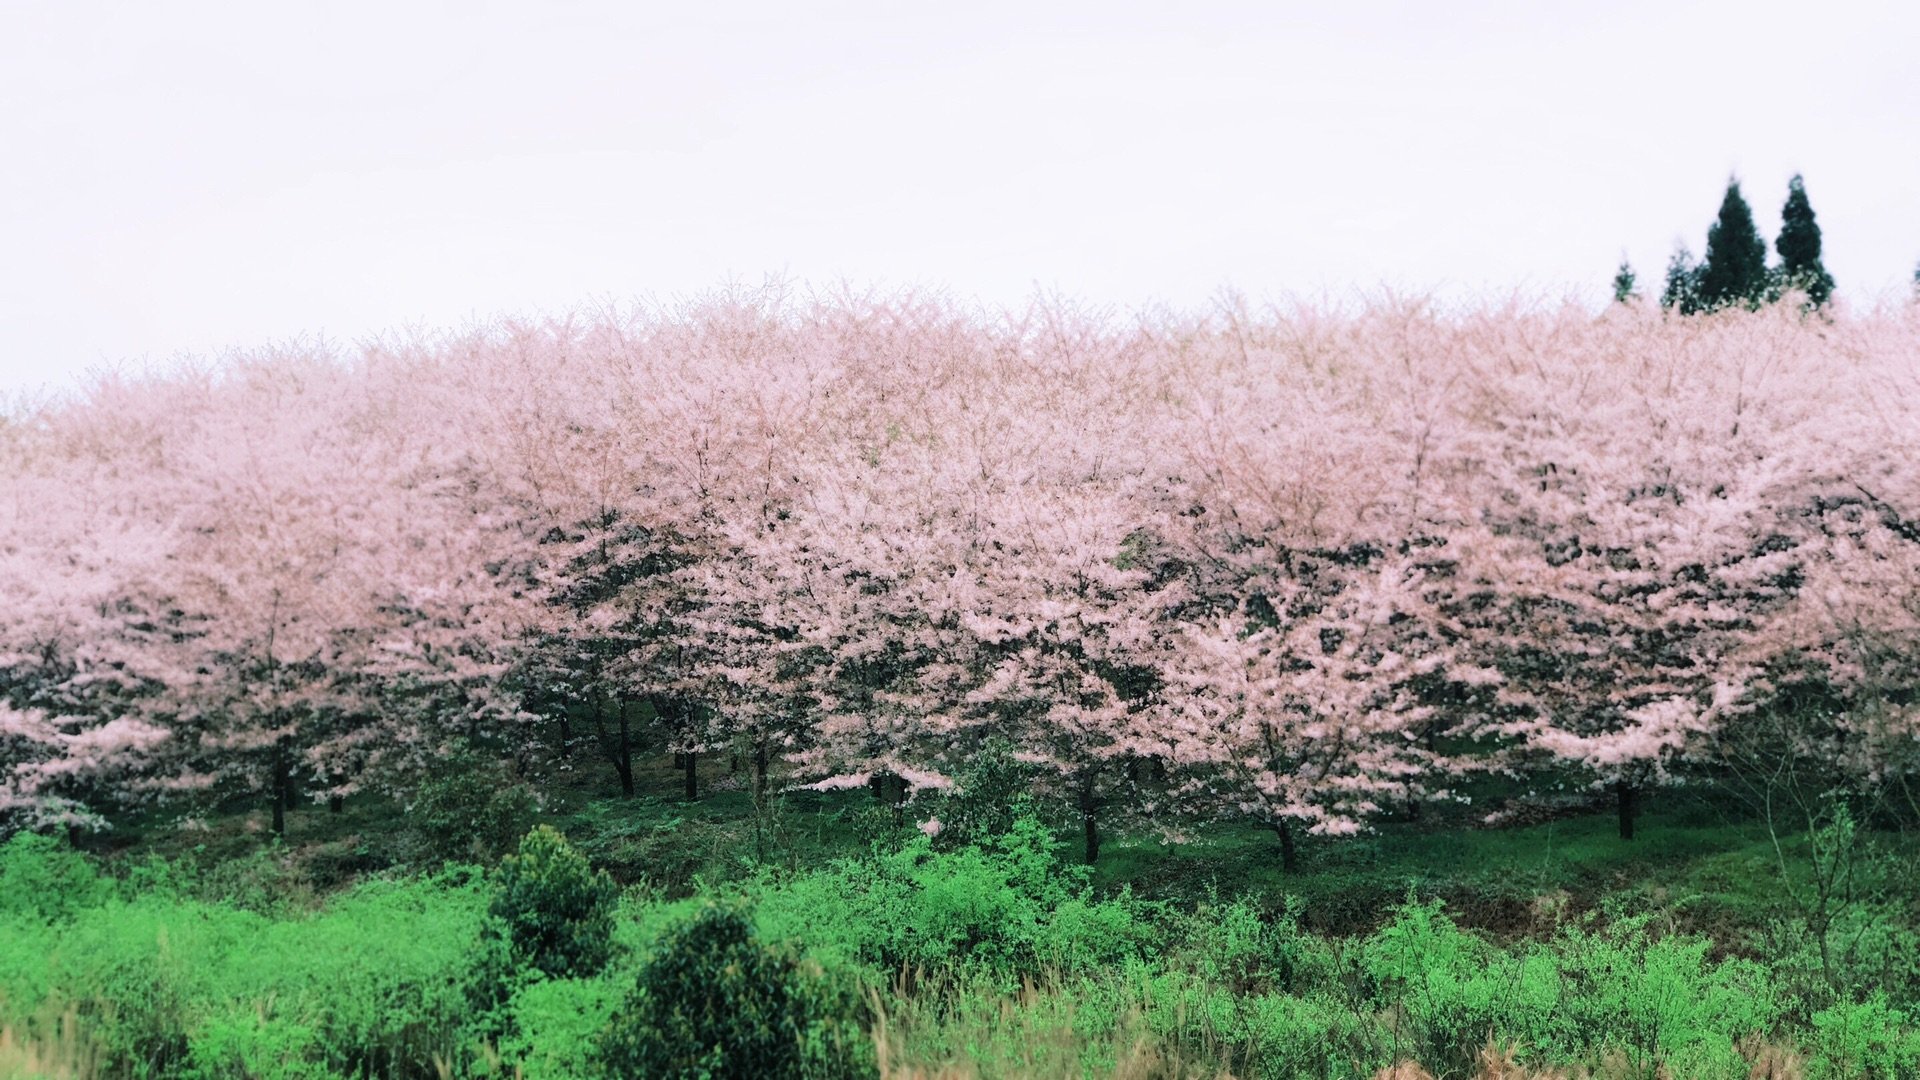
63,1053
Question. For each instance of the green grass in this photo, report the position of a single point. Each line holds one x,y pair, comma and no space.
1691,862
1195,954
995,959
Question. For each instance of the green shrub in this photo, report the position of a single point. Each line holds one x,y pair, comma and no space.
1871,1040
265,880
713,1001
1280,1037
1659,998
466,810
554,1023
248,1042
1006,905
44,879
554,911
171,986
1236,945
991,793
1446,992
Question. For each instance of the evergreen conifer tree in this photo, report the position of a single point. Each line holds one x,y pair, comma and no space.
1683,283
1735,271
1624,290
1799,247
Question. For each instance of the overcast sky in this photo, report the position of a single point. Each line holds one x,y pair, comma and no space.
188,178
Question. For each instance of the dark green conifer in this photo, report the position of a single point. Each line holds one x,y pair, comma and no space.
1736,268
1682,291
1624,290
1799,247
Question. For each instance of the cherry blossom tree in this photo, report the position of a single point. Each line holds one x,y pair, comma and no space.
1322,566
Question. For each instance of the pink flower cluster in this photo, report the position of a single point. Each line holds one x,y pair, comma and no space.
1305,566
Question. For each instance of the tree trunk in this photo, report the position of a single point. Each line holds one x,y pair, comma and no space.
759,771
1628,802
693,778
336,804
1088,826
1289,854
623,758
280,786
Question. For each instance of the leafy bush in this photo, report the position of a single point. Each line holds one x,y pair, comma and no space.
554,1025
1871,1040
554,910
466,810
42,878
249,1042
179,986
170,986
1235,944
988,796
1571,999
714,1002
1007,905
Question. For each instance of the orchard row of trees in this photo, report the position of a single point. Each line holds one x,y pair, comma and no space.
1295,568
1735,271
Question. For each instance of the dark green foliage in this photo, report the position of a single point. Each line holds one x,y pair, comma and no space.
1625,289
987,797
554,911
1799,247
714,1002
466,810
1682,290
1735,271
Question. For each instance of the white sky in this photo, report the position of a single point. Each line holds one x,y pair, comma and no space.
189,178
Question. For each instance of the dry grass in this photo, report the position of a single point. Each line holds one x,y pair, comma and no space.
1145,1059
62,1054
1768,1062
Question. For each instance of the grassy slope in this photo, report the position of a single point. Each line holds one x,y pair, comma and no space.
1690,864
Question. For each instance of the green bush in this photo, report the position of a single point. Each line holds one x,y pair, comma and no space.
1871,1040
466,810
1236,945
554,1024
1007,905
554,911
42,878
249,1042
168,986
1658,998
992,792
713,1002
1446,992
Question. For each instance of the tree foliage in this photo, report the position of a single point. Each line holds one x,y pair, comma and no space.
1289,567
1625,286
554,910
714,1001
1682,289
1799,247
1735,270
